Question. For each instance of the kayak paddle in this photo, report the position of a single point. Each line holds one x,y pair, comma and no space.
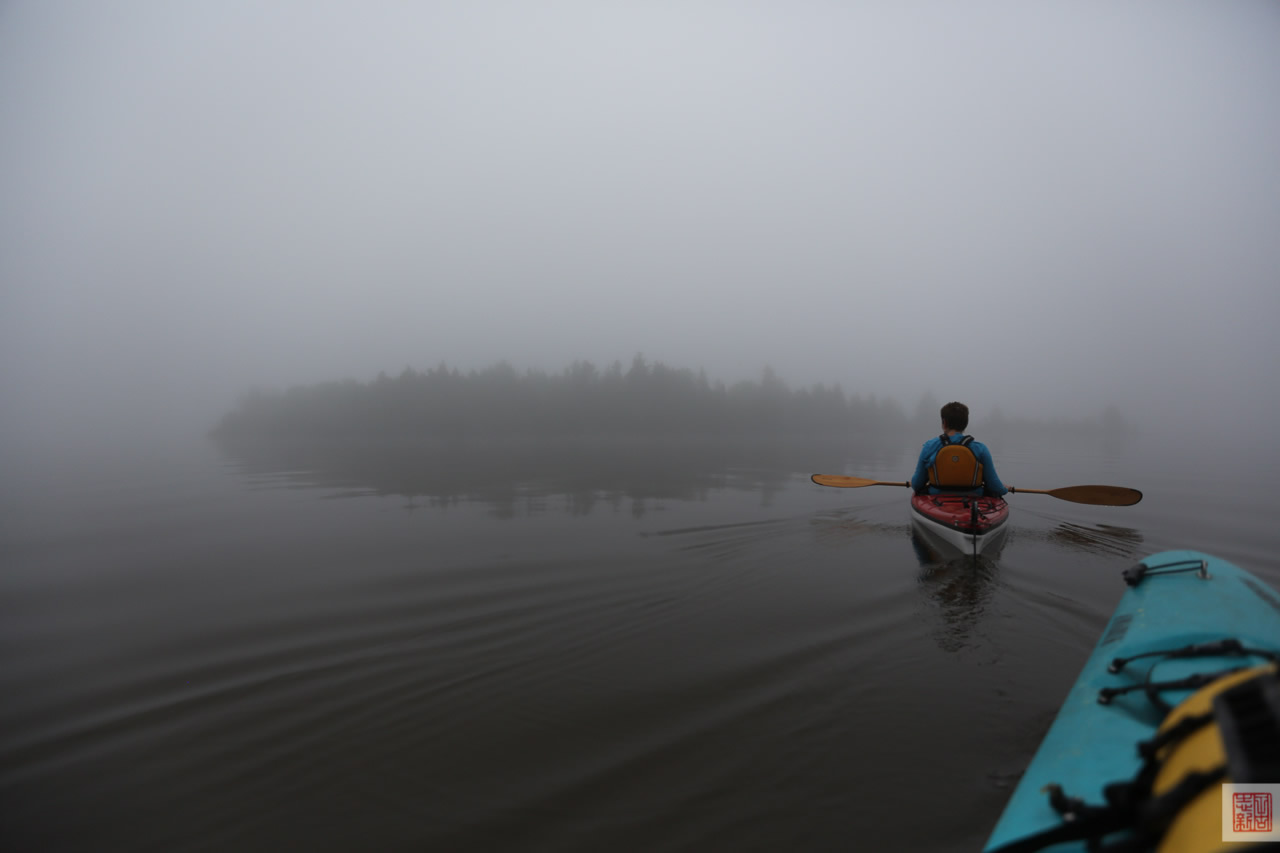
1096,495
842,482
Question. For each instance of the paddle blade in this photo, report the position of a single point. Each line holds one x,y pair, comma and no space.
840,481
1098,495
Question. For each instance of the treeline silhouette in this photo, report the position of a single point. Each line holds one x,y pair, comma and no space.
646,399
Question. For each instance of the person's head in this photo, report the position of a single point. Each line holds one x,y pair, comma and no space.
955,416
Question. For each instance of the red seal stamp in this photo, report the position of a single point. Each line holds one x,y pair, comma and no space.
1251,812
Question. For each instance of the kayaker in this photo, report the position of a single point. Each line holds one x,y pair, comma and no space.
971,472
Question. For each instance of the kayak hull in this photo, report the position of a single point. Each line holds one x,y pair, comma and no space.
966,523
1182,598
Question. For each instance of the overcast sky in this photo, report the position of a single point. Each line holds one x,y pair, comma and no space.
1041,206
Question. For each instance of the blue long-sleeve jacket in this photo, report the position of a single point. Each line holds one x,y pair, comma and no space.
991,484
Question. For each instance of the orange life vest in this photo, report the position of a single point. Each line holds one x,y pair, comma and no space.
954,466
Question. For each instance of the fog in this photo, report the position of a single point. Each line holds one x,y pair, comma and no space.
1050,208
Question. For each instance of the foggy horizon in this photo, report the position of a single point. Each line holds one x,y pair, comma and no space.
1052,210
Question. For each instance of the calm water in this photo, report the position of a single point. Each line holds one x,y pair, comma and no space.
621,646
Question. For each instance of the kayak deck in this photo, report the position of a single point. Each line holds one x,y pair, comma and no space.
1176,599
965,522
974,516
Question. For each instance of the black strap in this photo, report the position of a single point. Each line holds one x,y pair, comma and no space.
1134,575
1153,688
1227,646
1148,749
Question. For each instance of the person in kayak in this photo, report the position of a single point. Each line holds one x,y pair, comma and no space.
969,470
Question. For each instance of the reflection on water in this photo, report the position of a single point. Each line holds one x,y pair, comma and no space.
1098,539
958,586
848,526
583,474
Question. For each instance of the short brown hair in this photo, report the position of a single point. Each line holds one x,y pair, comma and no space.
955,416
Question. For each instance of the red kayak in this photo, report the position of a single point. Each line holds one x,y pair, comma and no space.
966,522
